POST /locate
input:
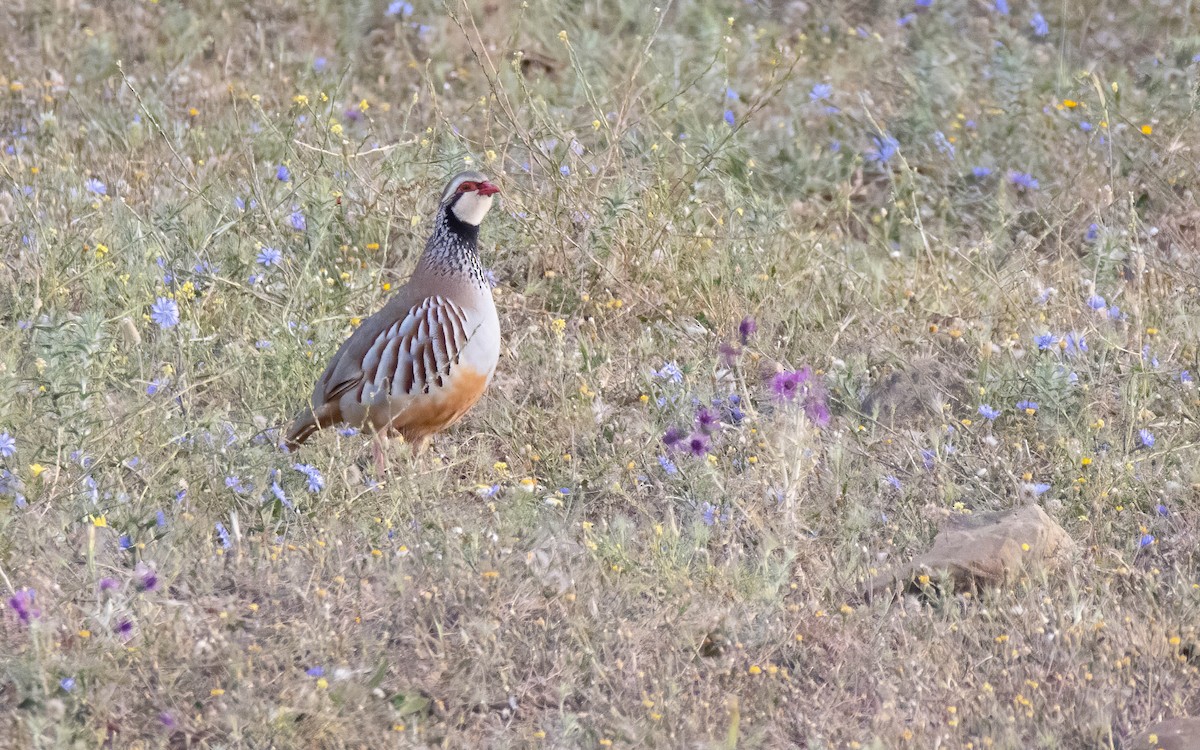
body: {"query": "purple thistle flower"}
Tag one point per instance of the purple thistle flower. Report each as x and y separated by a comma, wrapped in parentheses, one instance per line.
(146, 579)
(786, 385)
(108, 584)
(22, 603)
(747, 328)
(697, 444)
(816, 410)
(124, 628)
(707, 421)
(672, 437)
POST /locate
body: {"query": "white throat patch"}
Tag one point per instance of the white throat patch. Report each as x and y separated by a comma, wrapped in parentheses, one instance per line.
(471, 207)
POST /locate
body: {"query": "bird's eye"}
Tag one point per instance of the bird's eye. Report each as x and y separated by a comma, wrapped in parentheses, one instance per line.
(467, 187)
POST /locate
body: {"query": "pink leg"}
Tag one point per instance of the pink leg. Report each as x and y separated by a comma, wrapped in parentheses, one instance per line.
(379, 451)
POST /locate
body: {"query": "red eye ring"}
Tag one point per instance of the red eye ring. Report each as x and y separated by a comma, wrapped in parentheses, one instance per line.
(467, 187)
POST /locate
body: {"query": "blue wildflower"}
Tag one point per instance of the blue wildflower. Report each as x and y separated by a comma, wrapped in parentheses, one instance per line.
(1040, 488)
(1093, 231)
(320, 64)
(1001, 7)
(1161, 510)
(125, 542)
(1085, 126)
(8, 445)
(160, 518)
(669, 371)
(988, 413)
(893, 481)
(1023, 180)
(927, 457)
(1076, 344)
(282, 173)
(668, 465)
(96, 186)
(1045, 341)
(67, 684)
(980, 172)
(564, 170)
(223, 533)
(297, 220)
(165, 312)
(1147, 438)
(885, 148)
(820, 92)
(1027, 406)
(729, 118)
(708, 513)
(1185, 377)
(1145, 541)
(317, 671)
(943, 144)
(269, 256)
(731, 94)
(316, 482)
(1096, 302)
(1039, 25)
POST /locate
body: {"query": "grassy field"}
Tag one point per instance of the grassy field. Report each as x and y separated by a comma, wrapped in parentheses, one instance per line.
(980, 216)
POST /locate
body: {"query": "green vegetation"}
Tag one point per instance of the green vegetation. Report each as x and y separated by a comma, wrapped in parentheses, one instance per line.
(982, 219)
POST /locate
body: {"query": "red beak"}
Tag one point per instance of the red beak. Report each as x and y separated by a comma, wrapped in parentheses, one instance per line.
(487, 188)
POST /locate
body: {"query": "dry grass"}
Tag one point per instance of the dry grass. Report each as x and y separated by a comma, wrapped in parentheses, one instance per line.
(552, 575)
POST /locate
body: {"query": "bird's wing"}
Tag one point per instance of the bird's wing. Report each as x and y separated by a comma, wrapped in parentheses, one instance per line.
(404, 351)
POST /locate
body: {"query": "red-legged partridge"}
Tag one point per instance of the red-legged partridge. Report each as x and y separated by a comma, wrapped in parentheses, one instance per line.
(419, 364)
